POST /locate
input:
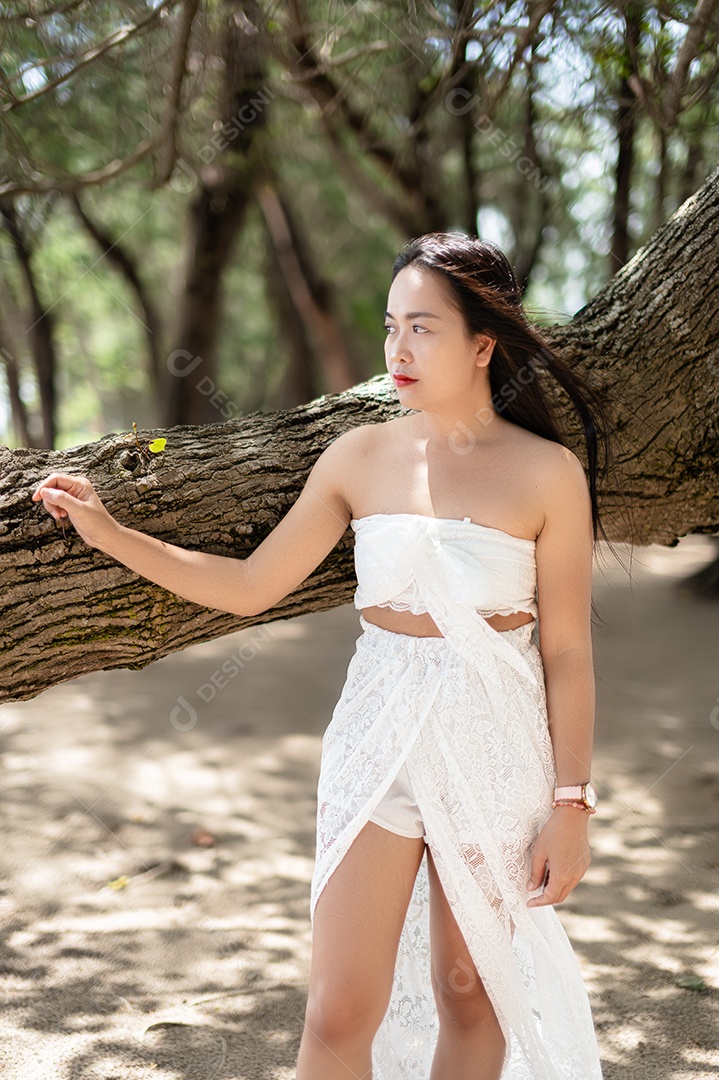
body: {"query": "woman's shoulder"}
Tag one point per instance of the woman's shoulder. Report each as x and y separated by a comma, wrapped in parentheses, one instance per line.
(545, 472)
(547, 454)
(366, 436)
(558, 476)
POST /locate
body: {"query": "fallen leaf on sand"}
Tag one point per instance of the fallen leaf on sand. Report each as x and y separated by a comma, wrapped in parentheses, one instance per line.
(118, 883)
(691, 982)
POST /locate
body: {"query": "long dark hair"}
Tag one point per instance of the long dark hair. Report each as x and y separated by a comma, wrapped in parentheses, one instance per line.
(485, 290)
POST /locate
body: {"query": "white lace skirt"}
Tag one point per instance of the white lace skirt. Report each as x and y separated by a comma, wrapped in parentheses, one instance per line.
(484, 790)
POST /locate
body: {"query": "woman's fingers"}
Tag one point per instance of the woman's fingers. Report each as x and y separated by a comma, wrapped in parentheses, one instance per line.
(77, 486)
(60, 493)
(51, 494)
(56, 501)
(53, 509)
(555, 891)
(538, 868)
(74, 497)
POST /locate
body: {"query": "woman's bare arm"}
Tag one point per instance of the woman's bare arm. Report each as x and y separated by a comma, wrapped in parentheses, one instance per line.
(564, 586)
(297, 545)
(561, 854)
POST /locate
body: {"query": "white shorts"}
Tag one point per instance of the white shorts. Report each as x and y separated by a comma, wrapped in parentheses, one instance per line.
(397, 810)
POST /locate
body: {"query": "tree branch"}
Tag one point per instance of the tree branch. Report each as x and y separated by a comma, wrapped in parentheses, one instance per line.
(49, 11)
(69, 183)
(120, 37)
(407, 220)
(121, 260)
(331, 97)
(649, 343)
(170, 119)
(309, 294)
(536, 12)
(703, 14)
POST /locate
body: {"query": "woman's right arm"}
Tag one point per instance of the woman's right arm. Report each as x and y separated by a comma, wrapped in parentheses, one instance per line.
(307, 533)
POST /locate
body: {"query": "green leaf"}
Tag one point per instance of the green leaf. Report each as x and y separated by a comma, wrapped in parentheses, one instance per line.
(691, 982)
(157, 445)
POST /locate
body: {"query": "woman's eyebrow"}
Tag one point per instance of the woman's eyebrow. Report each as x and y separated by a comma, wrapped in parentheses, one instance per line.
(414, 315)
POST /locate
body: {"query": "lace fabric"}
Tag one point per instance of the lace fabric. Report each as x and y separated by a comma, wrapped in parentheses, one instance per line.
(410, 600)
(466, 713)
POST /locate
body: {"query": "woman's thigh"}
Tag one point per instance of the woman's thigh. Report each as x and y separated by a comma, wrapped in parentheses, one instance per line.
(459, 991)
(357, 924)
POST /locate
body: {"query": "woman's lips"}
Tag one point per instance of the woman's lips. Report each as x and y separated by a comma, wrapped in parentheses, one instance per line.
(401, 380)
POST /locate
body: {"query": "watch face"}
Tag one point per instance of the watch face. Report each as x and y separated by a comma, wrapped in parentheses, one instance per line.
(590, 795)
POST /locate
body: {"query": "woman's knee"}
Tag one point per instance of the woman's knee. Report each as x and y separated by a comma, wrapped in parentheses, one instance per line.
(462, 1000)
(337, 1014)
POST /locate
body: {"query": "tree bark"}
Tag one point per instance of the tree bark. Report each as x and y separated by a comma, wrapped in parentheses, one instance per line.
(649, 342)
(66, 609)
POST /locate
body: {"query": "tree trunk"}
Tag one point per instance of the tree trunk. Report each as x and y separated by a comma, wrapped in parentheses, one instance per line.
(625, 128)
(661, 183)
(225, 185)
(694, 158)
(40, 330)
(649, 342)
(311, 294)
(18, 411)
(66, 609)
(300, 380)
(531, 214)
(118, 257)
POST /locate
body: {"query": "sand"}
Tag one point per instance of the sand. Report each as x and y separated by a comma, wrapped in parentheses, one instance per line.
(159, 841)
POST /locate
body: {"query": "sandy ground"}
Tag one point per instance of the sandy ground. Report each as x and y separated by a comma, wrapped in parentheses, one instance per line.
(193, 963)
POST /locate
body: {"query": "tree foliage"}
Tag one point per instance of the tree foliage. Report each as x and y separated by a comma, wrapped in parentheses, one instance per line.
(232, 180)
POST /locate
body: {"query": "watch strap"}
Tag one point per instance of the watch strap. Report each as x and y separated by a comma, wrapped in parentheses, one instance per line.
(575, 791)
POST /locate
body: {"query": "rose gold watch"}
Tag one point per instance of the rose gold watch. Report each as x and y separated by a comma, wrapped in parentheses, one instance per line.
(585, 794)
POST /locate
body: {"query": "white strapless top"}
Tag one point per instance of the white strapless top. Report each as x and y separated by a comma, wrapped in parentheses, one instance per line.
(474, 565)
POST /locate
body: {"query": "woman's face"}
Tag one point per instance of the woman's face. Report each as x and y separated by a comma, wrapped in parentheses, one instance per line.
(427, 341)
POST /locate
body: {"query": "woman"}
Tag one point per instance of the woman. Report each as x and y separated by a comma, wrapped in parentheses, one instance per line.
(459, 735)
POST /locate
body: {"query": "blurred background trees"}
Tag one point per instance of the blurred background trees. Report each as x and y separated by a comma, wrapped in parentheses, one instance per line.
(200, 201)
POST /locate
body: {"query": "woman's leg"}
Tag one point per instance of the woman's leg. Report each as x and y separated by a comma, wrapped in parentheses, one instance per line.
(470, 1045)
(356, 930)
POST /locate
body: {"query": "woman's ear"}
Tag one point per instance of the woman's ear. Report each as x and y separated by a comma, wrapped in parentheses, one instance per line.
(484, 345)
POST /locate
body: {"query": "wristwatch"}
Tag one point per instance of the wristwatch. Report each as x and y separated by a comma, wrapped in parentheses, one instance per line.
(584, 794)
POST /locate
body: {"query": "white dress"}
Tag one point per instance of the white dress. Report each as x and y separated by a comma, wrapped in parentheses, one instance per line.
(466, 713)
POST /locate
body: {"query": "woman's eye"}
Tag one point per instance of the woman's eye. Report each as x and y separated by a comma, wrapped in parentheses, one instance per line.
(415, 327)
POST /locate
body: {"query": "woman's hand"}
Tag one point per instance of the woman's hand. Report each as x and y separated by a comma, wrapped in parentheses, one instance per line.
(561, 847)
(217, 581)
(75, 498)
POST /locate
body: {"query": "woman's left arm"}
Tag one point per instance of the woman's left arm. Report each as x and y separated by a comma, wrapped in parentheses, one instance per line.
(561, 854)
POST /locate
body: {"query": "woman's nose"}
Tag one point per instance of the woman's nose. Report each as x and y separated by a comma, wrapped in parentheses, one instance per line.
(398, 347)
